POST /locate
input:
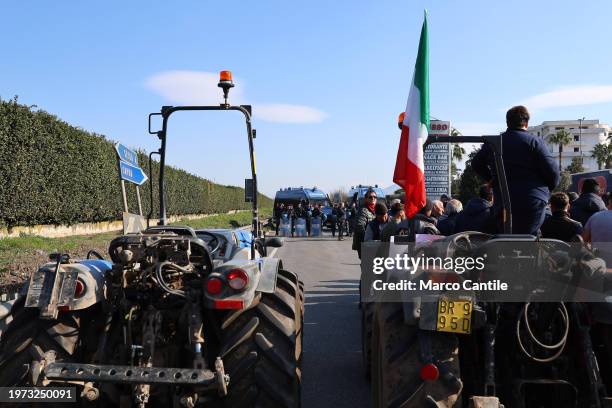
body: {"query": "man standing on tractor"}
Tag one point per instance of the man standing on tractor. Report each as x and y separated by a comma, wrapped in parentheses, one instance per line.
(531, 172)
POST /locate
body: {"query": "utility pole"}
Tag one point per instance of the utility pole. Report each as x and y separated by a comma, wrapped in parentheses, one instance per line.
(580, 140)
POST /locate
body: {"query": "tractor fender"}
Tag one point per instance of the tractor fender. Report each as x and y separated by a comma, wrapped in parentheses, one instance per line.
(269, 272)
(91, 273)
(95, 283)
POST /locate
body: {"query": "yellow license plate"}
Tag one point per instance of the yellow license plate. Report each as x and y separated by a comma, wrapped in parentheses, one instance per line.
(454, 316)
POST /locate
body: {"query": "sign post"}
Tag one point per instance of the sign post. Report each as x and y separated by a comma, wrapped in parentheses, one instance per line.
(130, 171)
(437, 160)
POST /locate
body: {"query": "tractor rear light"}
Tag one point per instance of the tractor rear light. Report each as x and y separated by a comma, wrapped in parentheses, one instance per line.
(214, 286)
(229, 304)
(79, 289)
(429, 372)
(237, 279)
(225, 76)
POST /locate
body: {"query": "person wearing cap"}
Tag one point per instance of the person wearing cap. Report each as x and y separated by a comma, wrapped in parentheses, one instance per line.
(396, 216)
(364, 217)
(375, 227)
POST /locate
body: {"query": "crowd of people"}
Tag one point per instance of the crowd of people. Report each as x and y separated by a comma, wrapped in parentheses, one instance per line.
(532, 174)
(568, 217)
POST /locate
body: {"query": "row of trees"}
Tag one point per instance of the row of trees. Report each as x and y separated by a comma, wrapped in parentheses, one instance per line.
(602, 152)
(57, 174)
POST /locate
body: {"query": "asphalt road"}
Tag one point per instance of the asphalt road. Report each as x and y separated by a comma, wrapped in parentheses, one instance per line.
(332, 373)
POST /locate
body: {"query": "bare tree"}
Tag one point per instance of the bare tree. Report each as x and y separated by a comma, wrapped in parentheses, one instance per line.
(338, 195)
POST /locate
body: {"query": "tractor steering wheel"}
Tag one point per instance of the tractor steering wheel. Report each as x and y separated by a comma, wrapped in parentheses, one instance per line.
(214, 244)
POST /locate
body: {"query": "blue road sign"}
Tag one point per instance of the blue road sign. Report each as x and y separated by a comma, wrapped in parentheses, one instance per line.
(133, 174)
(126, 155)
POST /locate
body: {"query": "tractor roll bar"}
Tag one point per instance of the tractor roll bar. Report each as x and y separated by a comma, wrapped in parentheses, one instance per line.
(166, 112)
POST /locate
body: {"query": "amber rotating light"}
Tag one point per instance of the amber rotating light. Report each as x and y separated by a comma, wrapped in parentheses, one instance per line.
(225, 82)
(400, 120)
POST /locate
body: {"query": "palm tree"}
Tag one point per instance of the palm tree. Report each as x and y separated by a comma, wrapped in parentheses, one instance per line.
(458, 150)
(602, 152)
(561, 138)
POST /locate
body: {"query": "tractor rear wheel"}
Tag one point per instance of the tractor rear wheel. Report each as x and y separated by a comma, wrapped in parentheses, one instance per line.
(26, 343)
(396, 364)
(367, 312)
(261, 349)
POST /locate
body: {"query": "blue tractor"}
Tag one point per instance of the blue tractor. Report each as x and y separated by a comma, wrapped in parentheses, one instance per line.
(177, 317)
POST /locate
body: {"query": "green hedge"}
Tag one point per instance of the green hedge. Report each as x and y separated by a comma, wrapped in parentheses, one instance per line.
(54, 173)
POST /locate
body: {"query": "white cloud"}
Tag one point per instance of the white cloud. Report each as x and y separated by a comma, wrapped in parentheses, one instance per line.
(200, 88)
(191, 87)
(283, 113)
(570, 96)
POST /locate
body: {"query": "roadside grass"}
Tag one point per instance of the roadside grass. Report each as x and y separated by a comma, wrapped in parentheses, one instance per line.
(20, 256)
(226, 220)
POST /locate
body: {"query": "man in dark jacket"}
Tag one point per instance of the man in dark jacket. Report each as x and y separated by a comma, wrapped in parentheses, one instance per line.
(453, 208)
(334, 219)
(278, 212)
(476, 215)
(364, 216)
(423, 222)
(588, 203)
(375, 227)
(531, 172)
(340, 219)
(559, 225)
(396, 216)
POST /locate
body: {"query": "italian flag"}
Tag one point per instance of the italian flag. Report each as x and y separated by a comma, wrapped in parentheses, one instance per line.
(409, 167)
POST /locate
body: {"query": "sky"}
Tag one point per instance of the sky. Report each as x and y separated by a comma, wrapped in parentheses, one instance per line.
(326, 80)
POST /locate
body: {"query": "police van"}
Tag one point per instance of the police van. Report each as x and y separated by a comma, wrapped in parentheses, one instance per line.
(295, 195)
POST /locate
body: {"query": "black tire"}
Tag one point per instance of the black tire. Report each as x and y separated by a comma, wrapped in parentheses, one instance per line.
(27, 339)
(289, 282)
(367, 312)
(396, 364)
(261, 348)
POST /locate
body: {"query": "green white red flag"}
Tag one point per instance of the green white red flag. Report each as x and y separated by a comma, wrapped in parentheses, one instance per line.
(409, 167)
